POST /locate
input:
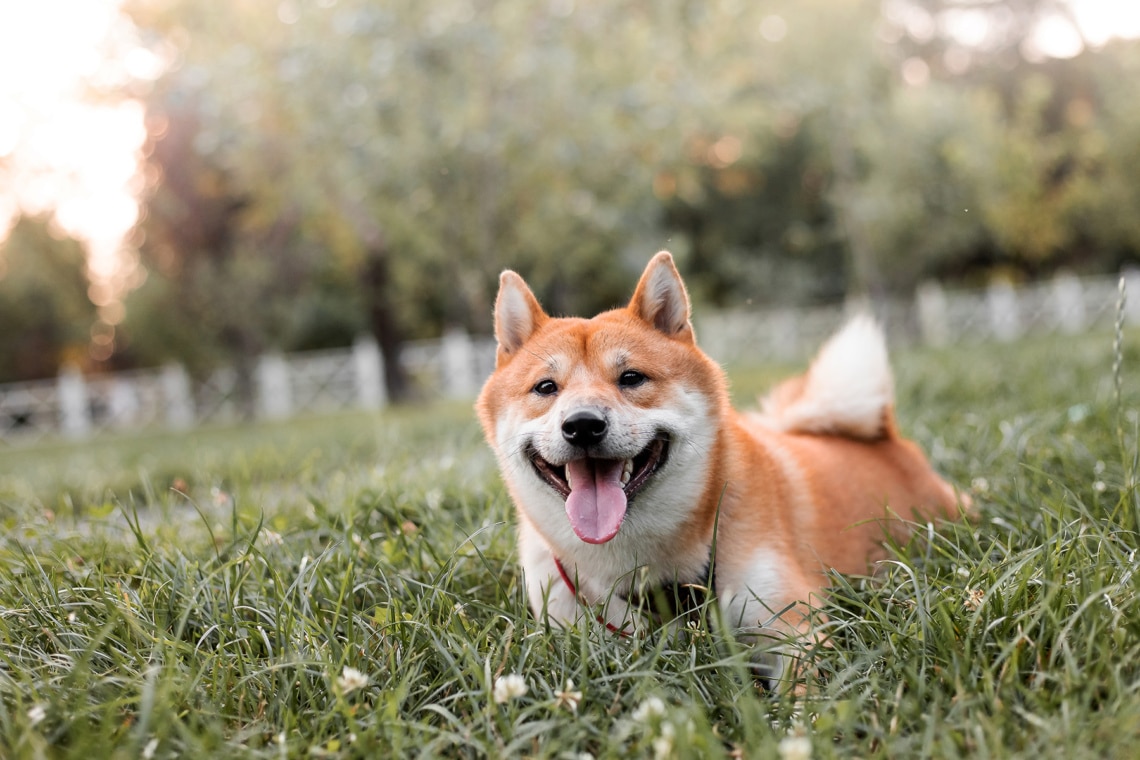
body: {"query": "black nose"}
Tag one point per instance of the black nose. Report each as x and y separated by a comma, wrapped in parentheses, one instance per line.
(585, 427)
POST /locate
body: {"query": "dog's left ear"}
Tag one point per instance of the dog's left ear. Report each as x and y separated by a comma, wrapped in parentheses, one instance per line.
(661, 299)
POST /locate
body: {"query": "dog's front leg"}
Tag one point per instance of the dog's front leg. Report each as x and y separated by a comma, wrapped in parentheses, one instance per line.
(780, 632)
(548, 595)
(560, 594)
(770, 609)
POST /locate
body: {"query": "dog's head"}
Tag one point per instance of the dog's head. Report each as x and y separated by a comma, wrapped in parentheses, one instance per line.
(604, 428)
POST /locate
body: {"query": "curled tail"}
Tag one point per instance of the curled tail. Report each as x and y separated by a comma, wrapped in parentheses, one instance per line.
(848, 389)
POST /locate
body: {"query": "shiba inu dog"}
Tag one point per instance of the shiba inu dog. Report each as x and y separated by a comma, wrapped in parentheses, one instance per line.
(628, 465)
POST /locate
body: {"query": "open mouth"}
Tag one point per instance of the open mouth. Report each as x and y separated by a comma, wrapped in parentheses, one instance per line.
(635, 473)
(598, 491)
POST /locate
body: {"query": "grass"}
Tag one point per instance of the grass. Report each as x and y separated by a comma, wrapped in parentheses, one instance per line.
(209, 595)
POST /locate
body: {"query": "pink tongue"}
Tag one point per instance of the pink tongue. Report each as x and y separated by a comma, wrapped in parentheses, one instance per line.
(596, 504)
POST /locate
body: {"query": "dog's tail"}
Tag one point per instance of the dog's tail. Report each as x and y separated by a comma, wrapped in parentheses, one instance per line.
(848, 390)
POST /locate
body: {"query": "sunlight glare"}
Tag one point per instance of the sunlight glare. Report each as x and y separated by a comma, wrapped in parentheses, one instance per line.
(67, 151)
(11, 125)
(1102, 20)
(1055, 37)
(968, 26)
(1097, 22)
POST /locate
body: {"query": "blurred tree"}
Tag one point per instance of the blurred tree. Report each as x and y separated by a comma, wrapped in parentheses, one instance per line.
(979, 40)
(1028, 160)
(458, 138)
(422, 148)
(921, 213)
(221, 282)
(343, 165)
(1105, 192)
(792, 228)
(44, 306)
(1014, 166)
(760, 230)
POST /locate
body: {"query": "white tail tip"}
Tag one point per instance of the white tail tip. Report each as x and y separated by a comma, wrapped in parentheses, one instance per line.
(848, 390)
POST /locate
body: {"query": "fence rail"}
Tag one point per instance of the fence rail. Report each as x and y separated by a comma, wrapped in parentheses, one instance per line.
(935, 316)
(454, 366)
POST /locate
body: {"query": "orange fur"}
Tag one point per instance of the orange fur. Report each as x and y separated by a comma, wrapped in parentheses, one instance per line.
(788, 503)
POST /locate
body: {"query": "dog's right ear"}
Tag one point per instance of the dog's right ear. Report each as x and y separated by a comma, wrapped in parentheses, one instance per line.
(517, 313)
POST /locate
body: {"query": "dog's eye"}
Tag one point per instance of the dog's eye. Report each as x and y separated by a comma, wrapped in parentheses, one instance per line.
(631, 378)
(546, 388)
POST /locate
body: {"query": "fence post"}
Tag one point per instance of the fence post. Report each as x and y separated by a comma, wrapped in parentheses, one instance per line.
(1069, 303)
(711, 331)
(1131, 275)
(784, 332)
(74, 410)
(177, 397)
(368, 367)
(457, 357)
(123, 403)
(1004, 317)
(274, 394)
(933, 322)
(855, 305)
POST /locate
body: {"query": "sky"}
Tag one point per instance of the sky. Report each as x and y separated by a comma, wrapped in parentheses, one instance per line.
(68, 150)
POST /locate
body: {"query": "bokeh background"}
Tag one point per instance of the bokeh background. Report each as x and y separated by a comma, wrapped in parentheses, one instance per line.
(204, 182)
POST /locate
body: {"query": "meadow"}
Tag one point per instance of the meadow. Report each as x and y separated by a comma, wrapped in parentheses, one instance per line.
(347, 587)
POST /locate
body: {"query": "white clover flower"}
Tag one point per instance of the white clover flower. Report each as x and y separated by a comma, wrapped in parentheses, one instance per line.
(37, 714)
(509, 687)
(794, 748)
(650, 708)
(350, 680)
(663, 744)
(149, 749)
(271, 538)
(568, 697)
(1100, 486)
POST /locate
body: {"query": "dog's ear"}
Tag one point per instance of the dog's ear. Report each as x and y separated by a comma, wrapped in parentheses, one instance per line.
(517, 313)
(661, 299)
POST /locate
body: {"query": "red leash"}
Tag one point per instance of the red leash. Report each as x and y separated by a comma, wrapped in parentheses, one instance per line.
(574, 590)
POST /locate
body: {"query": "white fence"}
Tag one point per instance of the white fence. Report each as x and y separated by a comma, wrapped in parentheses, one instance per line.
(935, 316)
(76, 407)
(455, 366)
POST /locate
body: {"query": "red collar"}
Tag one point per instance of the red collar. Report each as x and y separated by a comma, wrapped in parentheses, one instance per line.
(685, 597)
(574, 590)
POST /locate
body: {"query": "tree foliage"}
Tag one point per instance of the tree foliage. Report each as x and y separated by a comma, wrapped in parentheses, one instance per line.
(341, 165)
(44, 307)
